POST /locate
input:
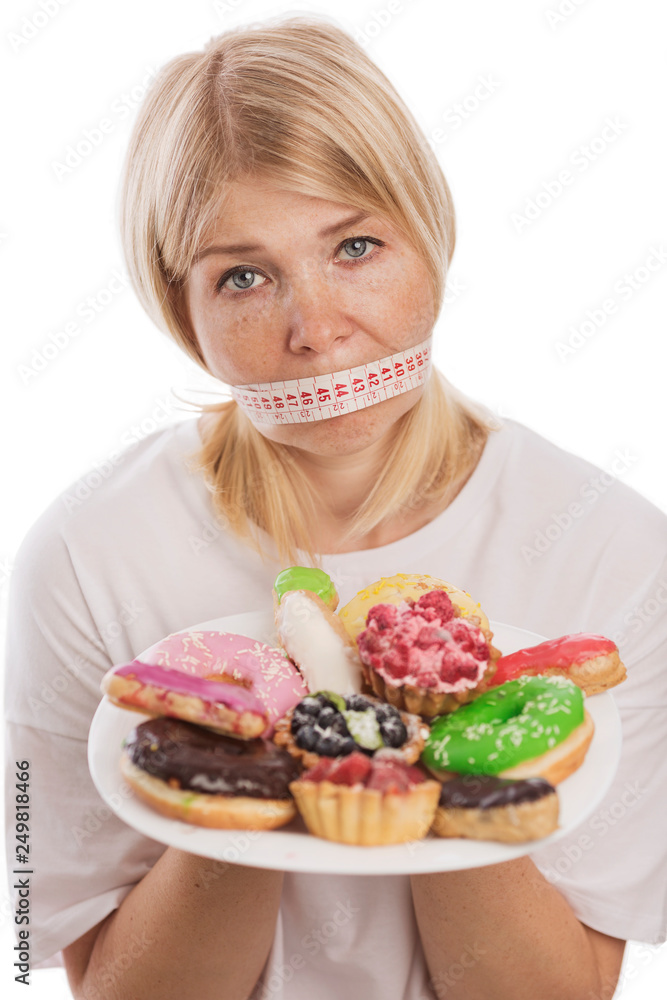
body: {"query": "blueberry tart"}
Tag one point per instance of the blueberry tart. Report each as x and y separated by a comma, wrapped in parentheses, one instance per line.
(326, 724)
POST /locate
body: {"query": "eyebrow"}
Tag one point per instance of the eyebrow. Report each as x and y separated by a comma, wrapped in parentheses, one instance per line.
(237, 249)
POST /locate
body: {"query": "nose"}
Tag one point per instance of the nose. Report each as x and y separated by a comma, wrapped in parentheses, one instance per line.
(315, 319)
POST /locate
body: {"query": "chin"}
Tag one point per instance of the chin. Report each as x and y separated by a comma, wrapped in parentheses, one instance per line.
(348, 434)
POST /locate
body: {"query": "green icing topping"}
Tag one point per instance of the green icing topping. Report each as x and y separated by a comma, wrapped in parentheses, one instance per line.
(305, 578)
(337, 699)
(508, 725)
(364, 728)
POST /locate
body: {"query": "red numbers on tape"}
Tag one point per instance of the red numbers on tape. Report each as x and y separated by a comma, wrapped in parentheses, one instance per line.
(323, 396)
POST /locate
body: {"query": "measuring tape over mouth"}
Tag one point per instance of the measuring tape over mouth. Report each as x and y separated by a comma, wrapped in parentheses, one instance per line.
(304, 400)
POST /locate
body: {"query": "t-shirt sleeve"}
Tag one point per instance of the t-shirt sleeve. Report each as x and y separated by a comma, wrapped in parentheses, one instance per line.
(612, 869)
(84, 860)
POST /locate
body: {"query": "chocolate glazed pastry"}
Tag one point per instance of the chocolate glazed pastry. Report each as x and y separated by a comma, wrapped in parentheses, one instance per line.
(188, 772)
(485, 807)
(204, 761)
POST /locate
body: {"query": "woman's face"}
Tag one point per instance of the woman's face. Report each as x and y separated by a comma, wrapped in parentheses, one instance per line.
(290, 286)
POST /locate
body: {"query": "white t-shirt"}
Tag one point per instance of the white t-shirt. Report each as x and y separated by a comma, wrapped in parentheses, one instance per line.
(540, 537)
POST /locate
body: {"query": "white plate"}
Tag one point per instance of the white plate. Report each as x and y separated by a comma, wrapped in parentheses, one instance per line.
(292, 848)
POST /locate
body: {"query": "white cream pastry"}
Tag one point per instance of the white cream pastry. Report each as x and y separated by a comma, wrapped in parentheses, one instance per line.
(318, 643)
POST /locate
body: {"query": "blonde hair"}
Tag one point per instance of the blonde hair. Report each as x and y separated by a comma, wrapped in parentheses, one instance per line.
(298, 99)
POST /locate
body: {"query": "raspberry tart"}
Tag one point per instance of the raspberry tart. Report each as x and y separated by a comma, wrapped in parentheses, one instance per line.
(366, 801)
(423, 656)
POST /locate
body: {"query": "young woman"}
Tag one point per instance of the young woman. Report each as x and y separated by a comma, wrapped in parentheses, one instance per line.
(283, 217)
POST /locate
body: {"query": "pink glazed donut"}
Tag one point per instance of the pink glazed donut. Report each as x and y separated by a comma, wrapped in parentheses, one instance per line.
(226, 682)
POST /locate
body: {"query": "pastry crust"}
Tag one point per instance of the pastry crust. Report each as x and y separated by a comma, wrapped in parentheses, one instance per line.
(229, 683)
(511, 824)
(422, 701)
(417, 729)
(130, 693)
(557, 764)
(367, 817)
(224, 812)
(595, 675)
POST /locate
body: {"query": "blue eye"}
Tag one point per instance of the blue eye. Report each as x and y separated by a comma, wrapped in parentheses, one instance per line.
(241, 278)
(355, 249)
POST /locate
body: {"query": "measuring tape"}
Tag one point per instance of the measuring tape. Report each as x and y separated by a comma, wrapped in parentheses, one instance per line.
(303, 400)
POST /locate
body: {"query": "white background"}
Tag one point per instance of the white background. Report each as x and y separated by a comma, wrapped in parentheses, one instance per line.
(556, 71)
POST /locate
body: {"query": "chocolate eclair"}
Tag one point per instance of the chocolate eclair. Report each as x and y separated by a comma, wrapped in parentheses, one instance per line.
(485, 807)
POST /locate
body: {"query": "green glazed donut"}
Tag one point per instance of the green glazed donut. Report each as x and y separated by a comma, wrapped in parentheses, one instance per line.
(305, 578)
(515, 722)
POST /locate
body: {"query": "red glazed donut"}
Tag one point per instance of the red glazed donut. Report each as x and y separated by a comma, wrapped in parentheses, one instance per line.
(590, 660)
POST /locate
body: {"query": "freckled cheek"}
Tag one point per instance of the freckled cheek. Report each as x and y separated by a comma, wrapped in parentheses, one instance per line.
(402, 301)
(416, 304)
(413, 319)
(232, 345)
